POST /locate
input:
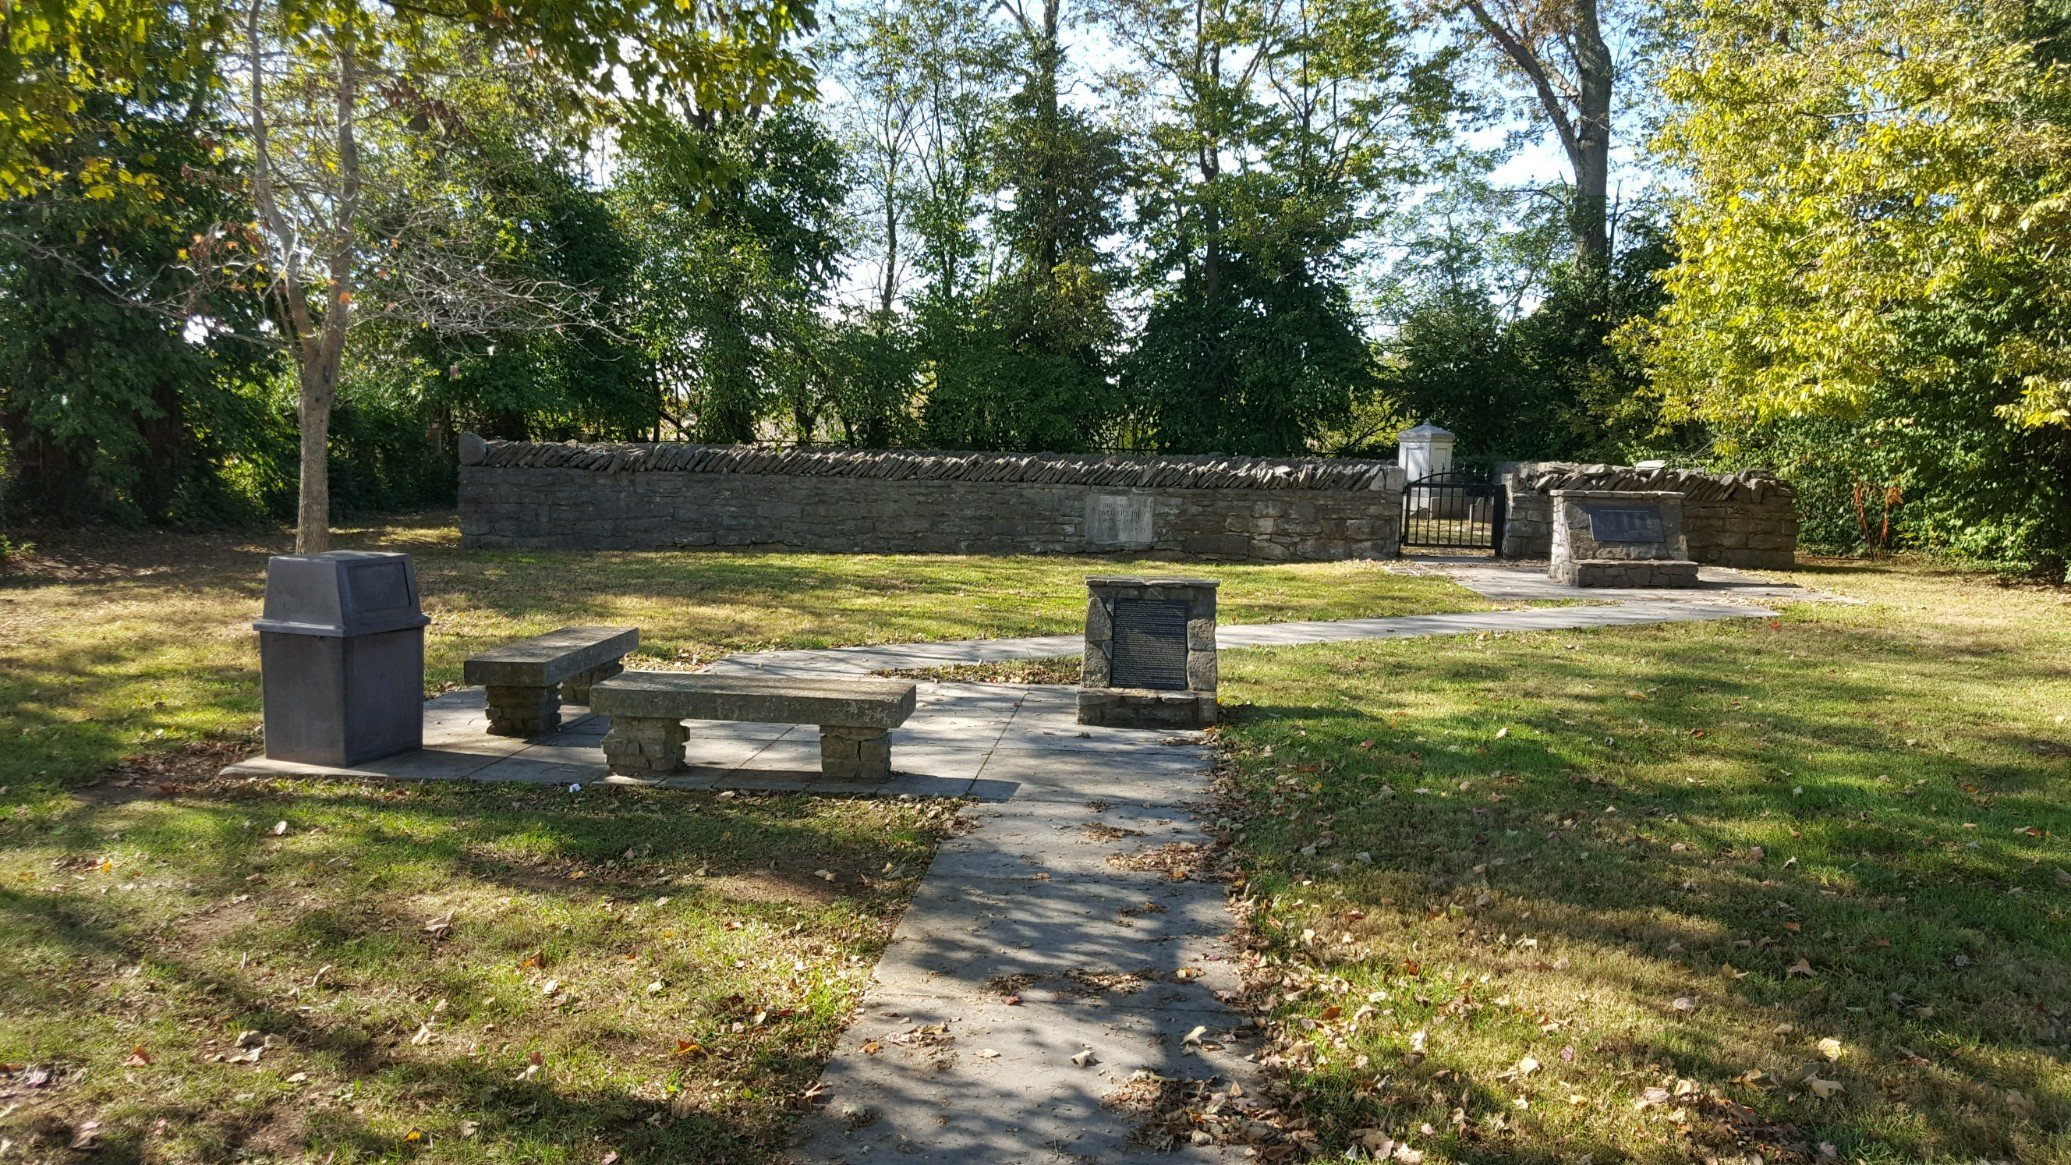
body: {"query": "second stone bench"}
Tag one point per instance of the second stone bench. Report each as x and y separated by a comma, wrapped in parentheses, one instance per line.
(648, 708)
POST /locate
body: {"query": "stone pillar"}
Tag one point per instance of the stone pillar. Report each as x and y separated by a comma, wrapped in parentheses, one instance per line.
(645, 748)
(1619, 538)
(854, 753)
(576, 688)
(523, 711)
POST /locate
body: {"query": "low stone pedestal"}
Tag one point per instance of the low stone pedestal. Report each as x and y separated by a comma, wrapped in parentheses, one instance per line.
(525, 711)
(1616, 538)
(855, 754)
(1604, 572)
(641, 747)
(576, 689)
(1150, 653)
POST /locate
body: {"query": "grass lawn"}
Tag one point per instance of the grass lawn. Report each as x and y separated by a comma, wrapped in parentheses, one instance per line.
(1683, 893)
(195, 970)
(116, 643)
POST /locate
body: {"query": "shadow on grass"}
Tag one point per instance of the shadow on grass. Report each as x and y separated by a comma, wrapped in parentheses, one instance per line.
(1678, 827)
(333, 917)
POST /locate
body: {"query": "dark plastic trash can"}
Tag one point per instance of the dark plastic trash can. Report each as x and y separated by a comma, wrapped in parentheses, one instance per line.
(341, 657)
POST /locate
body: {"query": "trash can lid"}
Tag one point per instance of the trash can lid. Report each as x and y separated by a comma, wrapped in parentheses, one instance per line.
(340, 593)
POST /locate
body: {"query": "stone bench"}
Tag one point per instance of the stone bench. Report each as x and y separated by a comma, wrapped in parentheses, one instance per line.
(527, 680)
(648, 708)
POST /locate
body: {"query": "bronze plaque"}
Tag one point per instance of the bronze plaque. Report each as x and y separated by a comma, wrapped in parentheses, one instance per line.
(1626, 524)
(1149, 649)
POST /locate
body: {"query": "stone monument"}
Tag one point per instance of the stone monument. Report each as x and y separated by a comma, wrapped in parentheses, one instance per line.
(1611, 538)
(1150, 653)
(341, 657)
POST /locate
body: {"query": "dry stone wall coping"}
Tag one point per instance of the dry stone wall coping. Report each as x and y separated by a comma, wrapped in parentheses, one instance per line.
(1149, 472)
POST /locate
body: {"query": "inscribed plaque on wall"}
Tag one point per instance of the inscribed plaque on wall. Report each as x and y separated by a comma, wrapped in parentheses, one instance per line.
(1150, 644)
(1626, 524)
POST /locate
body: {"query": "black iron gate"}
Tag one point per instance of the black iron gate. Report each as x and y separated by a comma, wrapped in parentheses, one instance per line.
(1455, 510)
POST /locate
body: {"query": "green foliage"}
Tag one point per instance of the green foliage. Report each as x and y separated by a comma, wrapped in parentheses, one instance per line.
(1966, 484)
(1871, 291)
(126, 382)
(1859, 167)
(728, 278)
(1278, 127)
(1261, 367)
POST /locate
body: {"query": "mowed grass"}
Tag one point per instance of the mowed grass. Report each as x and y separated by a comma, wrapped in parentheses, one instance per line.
(452, 974)
(112, 643)
(210, 972)
(1796, 889)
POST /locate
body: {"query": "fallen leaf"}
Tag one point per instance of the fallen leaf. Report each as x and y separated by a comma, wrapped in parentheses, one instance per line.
(280, 828)
(83, 1137)
(1085, 1058)
(1801, 967)
(1194, 1037)
(138, 1057)
(1824, 1089)
(1830, 1048)
(1684, 1004)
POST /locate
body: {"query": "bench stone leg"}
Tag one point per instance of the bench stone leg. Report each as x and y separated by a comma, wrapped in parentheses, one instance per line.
(523, 711)
(855, 754)
(576, 689)
(638, 747)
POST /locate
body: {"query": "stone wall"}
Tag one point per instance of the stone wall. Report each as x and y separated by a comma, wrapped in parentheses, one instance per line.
(516, 495)
(1747, 519)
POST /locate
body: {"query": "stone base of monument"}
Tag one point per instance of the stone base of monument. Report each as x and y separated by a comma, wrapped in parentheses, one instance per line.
(1150, 653)
(1619, 538)
(1145, 708)
(1623, 572)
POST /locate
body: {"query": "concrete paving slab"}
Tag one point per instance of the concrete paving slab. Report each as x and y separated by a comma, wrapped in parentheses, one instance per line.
(965, 1081)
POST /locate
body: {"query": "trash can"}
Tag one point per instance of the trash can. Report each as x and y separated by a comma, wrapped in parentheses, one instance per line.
(341, 657)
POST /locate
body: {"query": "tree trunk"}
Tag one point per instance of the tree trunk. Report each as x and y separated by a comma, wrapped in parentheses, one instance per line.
(1589, 218)
(891, 250)
(313, 412)
(1581, 118)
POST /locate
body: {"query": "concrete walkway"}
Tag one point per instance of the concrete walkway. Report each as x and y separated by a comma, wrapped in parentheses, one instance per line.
(1050, 970)
(1061, 958)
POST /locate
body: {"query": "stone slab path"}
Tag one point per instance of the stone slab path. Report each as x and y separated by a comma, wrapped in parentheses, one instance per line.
(1050, 954)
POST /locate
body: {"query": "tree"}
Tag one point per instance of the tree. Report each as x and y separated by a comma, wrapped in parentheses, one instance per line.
(735, 225)
(326, 96)
(1871, 255)
(1028, 367)
(1559, 48)
(124, 380)
(1282, 130)
(1855, 167)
